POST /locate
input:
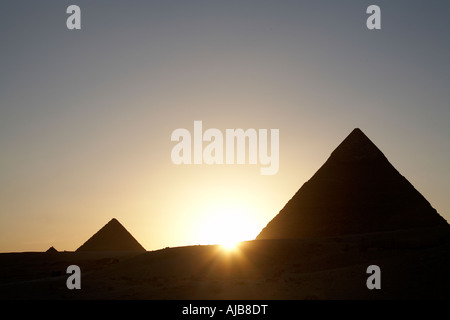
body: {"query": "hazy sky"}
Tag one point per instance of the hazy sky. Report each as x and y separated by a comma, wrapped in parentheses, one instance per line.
(86, 115)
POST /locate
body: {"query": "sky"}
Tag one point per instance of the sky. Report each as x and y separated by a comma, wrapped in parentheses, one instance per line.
(86, 116)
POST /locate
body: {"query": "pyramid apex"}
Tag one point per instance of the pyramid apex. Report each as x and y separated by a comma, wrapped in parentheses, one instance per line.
(356, 147)
(357, 131)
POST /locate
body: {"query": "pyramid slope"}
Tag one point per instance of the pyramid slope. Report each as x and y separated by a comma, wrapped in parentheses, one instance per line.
(112, 237)
(357, 190)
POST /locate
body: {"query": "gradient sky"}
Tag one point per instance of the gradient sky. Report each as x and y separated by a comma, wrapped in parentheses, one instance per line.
(86, 116)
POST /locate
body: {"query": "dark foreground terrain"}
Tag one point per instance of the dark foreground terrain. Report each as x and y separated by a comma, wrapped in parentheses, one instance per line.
(414, 264)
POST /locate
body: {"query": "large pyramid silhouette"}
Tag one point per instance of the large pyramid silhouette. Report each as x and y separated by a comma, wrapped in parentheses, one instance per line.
(112, 237)
(356, 191)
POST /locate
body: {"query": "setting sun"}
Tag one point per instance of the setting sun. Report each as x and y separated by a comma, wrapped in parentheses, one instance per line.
(228, 225)
(230, 245)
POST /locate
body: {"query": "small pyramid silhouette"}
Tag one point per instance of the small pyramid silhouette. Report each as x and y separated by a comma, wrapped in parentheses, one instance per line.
(51, 250)
(357, 190)
(112, 237)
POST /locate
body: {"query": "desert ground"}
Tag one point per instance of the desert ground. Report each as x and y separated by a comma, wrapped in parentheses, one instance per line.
(414, 265)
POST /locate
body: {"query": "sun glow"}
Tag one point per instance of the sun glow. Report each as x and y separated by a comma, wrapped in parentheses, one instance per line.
(227, 226)
(230, 245)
